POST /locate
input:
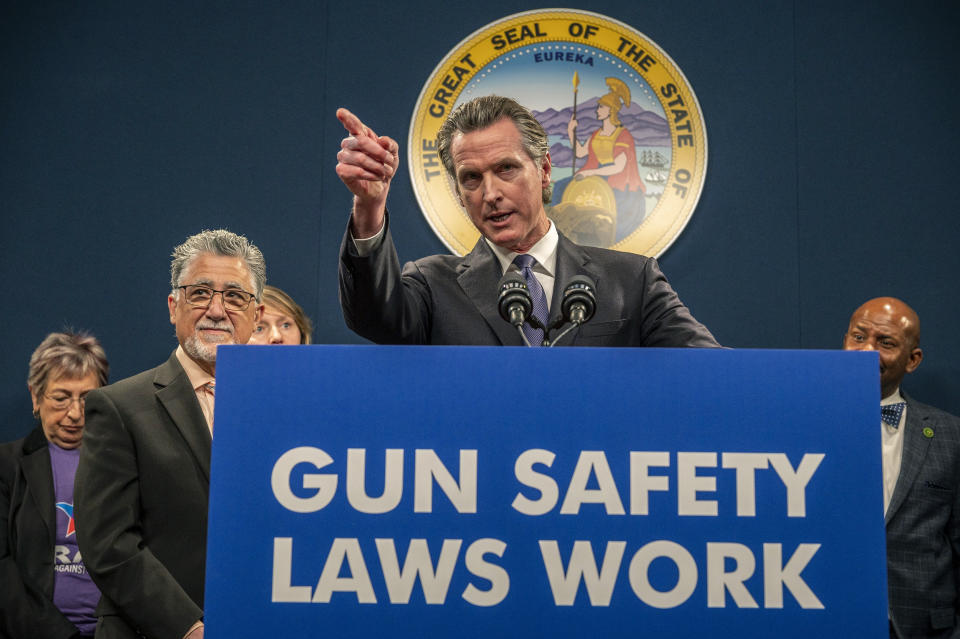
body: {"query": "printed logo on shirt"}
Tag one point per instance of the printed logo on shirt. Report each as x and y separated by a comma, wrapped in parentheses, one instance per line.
(627, 139)
(68, 559)
(68, 509)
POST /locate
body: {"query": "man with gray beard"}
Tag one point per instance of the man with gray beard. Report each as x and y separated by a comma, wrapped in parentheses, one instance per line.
(143, 482)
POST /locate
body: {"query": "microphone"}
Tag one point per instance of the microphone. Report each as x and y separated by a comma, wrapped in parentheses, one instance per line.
(515, 303)
(579, 301)
(578, 304)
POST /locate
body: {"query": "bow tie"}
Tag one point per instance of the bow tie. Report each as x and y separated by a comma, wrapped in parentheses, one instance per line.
(891, 413)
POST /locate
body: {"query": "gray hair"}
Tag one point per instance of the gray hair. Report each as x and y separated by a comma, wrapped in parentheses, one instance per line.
(219, 242)
(72, 355)
(484, 111)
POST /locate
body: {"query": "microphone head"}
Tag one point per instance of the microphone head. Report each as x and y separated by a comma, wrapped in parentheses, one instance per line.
(579, 295)
(514, 297)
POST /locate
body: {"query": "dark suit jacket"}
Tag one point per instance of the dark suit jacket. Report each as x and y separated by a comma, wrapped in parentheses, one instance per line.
(141, 496)
(445, 299)
(27, 537)
(923, 527)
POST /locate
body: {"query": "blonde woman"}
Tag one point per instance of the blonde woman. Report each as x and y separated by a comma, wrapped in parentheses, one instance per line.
(283, 321)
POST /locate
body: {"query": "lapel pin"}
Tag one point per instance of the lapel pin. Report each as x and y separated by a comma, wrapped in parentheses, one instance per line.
(928, 432)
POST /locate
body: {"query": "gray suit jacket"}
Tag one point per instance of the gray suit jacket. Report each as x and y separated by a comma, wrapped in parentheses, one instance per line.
(141, 497)
(445, 299)
(27, 539)
(923, 527)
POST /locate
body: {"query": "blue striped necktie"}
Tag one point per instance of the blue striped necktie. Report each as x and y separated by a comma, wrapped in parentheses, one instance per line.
(525, 263)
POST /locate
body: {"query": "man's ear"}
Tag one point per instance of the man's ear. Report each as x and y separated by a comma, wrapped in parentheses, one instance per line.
(545, 168)
(916, 356)
(172, 307)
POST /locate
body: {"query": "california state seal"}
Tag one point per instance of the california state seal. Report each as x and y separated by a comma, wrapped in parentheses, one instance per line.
(627, 138)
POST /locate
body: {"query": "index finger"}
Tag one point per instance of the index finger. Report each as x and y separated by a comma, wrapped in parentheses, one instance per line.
(352, 123)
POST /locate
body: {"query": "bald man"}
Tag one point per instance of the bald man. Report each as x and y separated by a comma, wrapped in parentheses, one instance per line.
(921, 479)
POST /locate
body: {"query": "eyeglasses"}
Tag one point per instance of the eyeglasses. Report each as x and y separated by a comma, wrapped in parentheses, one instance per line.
(64, 402)
(199, 296)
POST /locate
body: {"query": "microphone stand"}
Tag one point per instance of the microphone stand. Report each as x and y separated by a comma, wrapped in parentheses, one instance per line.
(535, 323)
(523, 335)
(572, 326)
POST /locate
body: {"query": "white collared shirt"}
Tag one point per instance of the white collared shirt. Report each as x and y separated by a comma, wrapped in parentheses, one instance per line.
(892, 447)
(544, 251)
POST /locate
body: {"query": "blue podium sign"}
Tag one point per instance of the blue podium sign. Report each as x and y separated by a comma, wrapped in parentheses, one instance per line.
(362, 491)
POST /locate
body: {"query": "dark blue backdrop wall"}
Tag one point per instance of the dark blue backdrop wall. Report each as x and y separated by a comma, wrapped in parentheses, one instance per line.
(125, 127)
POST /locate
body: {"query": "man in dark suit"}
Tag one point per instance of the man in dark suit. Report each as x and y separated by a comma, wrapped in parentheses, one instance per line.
(142, 486)
(921, 479)
(497, 154)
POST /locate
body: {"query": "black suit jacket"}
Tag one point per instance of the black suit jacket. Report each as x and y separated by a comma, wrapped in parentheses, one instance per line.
(141, 497)
(27, 538)
(445, 299)
(923, 527)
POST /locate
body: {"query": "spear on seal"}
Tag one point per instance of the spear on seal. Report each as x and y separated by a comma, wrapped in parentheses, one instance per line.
(573, 143)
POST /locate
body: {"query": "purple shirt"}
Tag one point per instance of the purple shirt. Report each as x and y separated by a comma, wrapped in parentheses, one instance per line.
(74, 593)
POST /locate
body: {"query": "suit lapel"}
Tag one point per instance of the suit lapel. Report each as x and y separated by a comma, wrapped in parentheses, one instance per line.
(915, 447)
(39, 476)
(571, 260)
(180, 401)
(480, 268)
(478, 274)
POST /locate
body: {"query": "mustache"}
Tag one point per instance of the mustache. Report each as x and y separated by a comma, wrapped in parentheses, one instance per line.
(217, 326)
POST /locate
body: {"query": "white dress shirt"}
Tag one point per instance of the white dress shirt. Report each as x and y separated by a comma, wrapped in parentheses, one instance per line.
(892, 447)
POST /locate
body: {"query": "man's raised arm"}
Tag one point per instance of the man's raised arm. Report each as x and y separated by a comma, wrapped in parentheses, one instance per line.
(366, 163)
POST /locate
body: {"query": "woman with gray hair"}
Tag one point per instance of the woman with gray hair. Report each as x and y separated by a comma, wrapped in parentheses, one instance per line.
(47, 592)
